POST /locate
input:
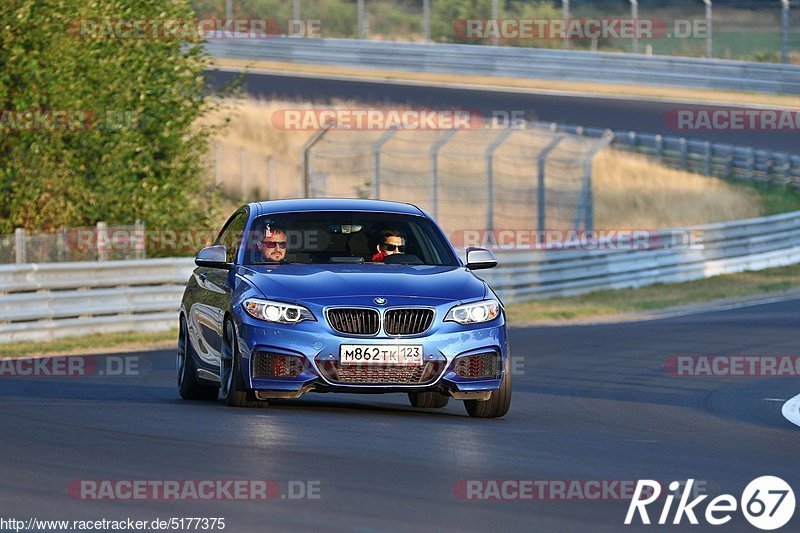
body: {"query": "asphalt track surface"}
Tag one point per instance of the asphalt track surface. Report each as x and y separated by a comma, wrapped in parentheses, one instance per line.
(592, 111)
(590, 403)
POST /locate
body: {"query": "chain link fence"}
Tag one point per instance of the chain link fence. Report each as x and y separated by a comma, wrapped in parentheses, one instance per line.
(486, 179)
(94, 243)
(756, 30)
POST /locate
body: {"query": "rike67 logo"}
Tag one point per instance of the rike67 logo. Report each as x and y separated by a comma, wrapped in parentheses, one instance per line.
(767, 503)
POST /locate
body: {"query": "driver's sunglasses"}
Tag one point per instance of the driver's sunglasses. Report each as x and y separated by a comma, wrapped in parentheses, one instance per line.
(273, 244)
(391, 247)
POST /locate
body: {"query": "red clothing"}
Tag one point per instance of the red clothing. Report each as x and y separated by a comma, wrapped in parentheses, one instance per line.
(379, 257)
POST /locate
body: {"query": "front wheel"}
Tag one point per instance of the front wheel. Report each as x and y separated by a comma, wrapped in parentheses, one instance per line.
(499, 402)
(233, 388)
(428, 400)
(188, 385)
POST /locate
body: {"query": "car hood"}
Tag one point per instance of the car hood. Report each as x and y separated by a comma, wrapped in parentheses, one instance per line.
(295, 282)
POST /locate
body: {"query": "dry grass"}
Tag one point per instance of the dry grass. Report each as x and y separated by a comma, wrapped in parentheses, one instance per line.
(630, 191)
(650, 92)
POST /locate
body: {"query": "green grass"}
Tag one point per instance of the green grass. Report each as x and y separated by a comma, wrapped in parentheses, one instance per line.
(90, 344)
(776, 199)
(659, 296)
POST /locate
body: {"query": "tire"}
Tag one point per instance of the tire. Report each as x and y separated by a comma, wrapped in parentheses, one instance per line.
(188, 386)
(233, 387)
(499, 402)
(428, 400)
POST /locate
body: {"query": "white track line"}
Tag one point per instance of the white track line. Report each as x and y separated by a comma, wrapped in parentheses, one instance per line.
(791, 410)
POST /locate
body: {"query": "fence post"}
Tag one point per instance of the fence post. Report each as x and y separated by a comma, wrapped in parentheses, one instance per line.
(426, 20)
(565, 15)
(707, 159)
(709, 28)
(376, 153)
(229, 9)
(102, 241)
(495, 16)
(243, 173)
(540, 194)
(784, 31)
(61, 243)
(434, 155)
(490, 176)
(360, 14)
(270, 177)
(141, 239)
(218, 164)
(684, 154)
(306, 160)
(20, 246)
(635, 16)
(296, 9)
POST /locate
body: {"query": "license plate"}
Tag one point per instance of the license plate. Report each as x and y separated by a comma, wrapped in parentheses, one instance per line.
(380, 354)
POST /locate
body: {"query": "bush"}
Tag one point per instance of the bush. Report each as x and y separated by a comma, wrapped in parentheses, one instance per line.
(139, 155)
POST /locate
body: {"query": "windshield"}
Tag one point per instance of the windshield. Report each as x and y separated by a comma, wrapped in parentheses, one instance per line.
(347, 237)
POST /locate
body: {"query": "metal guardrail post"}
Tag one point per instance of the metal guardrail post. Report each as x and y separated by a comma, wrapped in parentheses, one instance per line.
(784, 31)
(540, 188)
(751, 163)
(307, 161)
(434, 155)
(683, 160)
(707, 159)
(659, 148)
(490, 176)
(20, 246)
(376, 153)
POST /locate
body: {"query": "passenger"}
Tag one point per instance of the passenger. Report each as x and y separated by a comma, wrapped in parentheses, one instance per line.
(392, 242)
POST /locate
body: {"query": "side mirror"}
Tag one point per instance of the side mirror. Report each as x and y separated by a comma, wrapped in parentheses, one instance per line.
(480, 258)
(213, 257)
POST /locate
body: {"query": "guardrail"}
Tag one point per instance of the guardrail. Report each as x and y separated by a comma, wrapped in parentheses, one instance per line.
(726, 248)
(703, 157)
(516, 62)
(40, 302)
(46, 301)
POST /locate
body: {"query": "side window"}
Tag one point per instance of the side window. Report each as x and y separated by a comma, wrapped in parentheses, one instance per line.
(232, 234)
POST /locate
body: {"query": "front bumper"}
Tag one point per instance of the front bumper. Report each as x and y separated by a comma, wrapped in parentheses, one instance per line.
(318, 345)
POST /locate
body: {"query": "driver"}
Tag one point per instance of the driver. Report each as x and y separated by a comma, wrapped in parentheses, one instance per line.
(273, 244)
(392, 242)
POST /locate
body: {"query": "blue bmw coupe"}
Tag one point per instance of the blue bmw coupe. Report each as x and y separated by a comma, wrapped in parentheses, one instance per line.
(334, 295)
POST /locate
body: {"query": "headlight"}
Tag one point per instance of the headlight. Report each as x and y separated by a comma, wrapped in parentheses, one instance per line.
(279, 312)
(474, 313)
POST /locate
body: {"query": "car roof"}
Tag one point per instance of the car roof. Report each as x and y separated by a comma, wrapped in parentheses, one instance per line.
(334, 204)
